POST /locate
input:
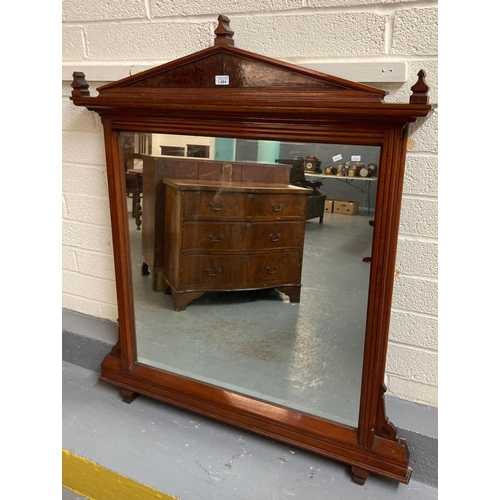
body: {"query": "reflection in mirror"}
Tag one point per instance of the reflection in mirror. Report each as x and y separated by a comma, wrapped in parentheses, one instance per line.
(298, 350)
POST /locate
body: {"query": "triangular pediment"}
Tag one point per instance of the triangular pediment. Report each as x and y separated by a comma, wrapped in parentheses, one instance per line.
(244, 70)
(224, 77)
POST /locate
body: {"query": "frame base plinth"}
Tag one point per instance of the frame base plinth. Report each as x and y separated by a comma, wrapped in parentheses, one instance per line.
(387, 457)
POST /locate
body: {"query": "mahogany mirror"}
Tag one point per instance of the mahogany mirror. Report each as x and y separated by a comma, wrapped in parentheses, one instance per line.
(239, 297)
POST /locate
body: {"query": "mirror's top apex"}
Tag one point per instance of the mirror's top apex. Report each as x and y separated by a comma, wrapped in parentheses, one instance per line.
(223, 33)
(242, 70)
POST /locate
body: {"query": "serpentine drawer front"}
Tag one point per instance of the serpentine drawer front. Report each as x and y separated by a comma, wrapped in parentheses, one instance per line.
(239, 272)
(232, 236)
(239, 205)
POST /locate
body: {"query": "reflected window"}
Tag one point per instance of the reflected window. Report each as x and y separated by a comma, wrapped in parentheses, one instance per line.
(172, 151)
(198, 151)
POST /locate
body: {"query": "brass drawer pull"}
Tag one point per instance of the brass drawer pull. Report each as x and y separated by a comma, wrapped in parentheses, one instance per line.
(217, 272)
(270, 271)
(279, 209)
(275, 239)
(211, 238)
(212, 206)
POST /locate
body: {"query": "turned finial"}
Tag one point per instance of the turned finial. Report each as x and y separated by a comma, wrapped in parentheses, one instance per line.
(223, 33)
(420, 89)
(80, 85)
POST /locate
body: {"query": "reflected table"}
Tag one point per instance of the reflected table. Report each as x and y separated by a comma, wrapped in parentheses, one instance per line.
(133, 182)
(360, 183)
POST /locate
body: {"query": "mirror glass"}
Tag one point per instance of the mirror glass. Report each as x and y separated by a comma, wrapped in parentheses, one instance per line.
(306, 355)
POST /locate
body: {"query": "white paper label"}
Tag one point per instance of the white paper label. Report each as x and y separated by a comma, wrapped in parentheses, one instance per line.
(337, 157)
(221, 80)
(356, 158)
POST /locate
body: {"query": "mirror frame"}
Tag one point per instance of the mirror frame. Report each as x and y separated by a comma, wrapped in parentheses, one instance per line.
(298, 105)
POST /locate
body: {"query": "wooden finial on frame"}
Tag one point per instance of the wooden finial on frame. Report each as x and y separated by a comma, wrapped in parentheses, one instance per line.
(223, 33)
(420, 89)
(80, 85)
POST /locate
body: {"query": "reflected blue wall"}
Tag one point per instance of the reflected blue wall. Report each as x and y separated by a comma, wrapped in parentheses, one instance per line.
(268, 151)
(224, 149)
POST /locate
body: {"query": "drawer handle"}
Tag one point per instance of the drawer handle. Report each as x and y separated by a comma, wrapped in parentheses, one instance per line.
(279, 209)
(272, 271)
(217, 272)
(211, 238)
(212, 206)
(275, 239)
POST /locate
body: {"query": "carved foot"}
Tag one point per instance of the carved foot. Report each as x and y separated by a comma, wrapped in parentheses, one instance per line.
(181, 300)
(128, 396)
(138, 220)
(145, 269)
(359, 475)
(158, 281)
(293, 292)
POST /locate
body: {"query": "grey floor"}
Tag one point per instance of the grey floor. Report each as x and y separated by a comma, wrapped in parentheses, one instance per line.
(307, 356)
(71, 495)
(193, 458)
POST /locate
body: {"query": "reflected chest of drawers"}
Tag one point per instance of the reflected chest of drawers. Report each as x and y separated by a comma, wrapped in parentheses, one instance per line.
(156, 168)
(222, 236)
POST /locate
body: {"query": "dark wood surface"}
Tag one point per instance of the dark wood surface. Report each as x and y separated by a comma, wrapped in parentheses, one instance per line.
(321, 108)
(232, 236)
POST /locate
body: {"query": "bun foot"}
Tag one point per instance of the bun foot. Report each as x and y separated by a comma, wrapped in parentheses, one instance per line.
(128, 396)
(359, 475)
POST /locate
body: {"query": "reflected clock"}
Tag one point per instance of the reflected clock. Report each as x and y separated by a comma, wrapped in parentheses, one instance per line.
(311, 164)
(364, 171)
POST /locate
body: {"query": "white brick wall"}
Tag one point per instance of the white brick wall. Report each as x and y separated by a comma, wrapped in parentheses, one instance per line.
(155, 31)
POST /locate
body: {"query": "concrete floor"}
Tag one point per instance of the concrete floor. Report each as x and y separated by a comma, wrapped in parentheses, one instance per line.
(71, 495)
(307, 356)
(194, 458)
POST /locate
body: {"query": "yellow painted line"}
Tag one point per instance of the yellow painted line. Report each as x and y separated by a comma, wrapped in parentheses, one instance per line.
(95, 482)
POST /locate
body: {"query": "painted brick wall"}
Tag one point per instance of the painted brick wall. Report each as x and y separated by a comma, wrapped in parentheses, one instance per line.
(299, 31)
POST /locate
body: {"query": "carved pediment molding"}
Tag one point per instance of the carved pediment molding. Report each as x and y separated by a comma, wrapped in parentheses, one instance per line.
(242, 69)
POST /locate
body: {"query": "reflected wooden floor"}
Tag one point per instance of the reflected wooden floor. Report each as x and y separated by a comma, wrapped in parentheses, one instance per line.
(307, 356)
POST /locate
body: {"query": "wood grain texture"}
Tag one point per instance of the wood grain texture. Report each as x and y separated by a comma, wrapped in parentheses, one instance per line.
(228, 236)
